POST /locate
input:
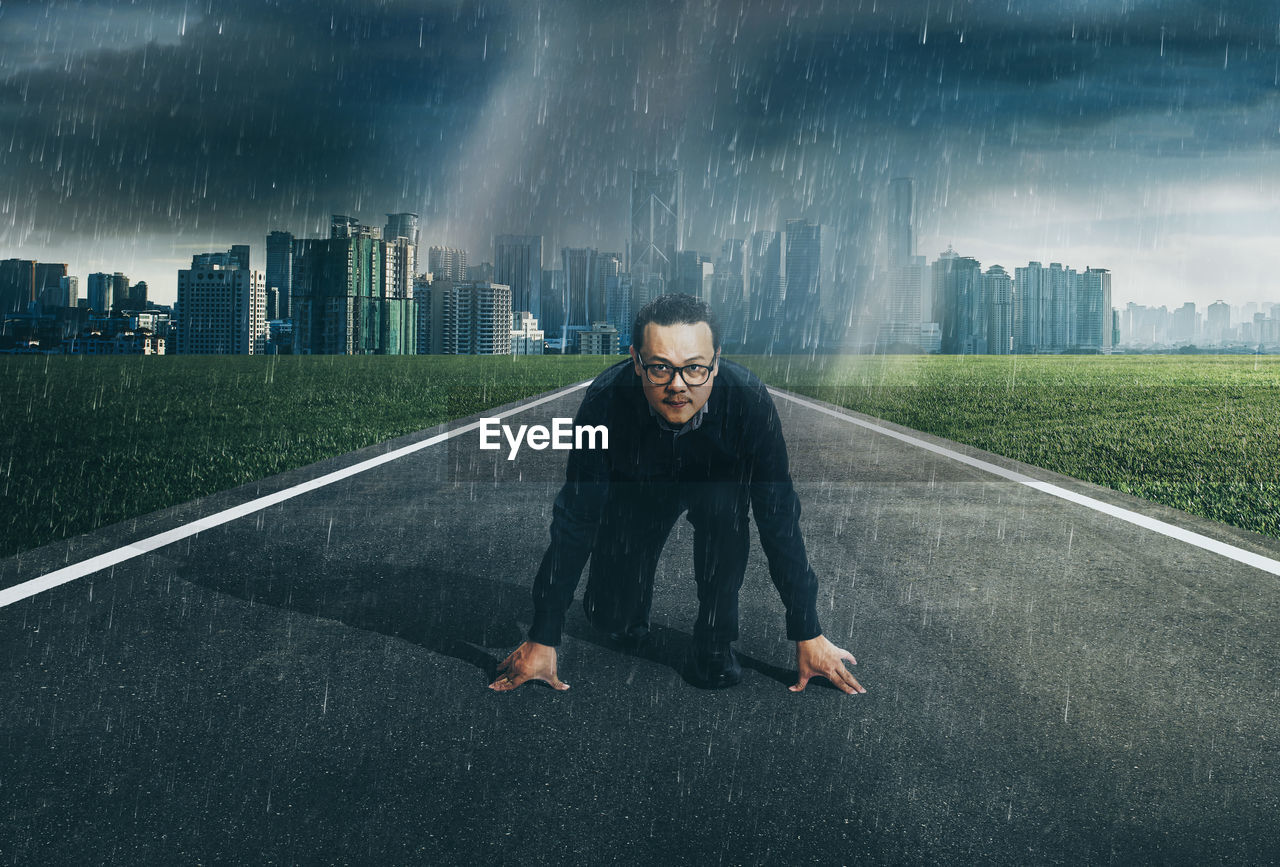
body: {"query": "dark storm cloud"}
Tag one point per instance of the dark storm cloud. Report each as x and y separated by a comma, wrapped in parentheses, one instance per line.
(966, 68)
(256, 106)
(260, 114)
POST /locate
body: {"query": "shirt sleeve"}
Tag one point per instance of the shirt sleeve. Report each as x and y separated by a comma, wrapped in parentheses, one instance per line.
(574, 521)
(777, 509)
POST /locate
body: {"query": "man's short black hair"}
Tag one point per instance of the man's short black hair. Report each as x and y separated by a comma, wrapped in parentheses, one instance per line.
(671, 310)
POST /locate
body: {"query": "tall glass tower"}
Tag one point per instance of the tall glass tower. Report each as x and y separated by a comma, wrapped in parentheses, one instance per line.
(517, 262)
(656, 226)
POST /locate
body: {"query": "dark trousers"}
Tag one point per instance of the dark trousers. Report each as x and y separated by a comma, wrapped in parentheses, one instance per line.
(635, 524)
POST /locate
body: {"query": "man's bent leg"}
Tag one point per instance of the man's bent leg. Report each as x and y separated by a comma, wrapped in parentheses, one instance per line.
(720, 515)
(633, 529)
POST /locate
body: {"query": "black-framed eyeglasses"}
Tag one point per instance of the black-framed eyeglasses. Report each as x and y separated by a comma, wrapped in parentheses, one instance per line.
(692, 374)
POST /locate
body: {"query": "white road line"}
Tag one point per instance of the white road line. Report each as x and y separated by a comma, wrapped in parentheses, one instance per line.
(1266, 564)
(18, 592)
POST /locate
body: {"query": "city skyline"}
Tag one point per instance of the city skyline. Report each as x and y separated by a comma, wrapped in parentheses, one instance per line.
(1137, 136)
(773, 279)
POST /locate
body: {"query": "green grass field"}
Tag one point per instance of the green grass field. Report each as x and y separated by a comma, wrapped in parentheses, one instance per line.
(1199, 433)
(87, 442)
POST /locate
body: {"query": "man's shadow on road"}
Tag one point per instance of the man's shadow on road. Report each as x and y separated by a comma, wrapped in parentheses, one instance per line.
(453, 612)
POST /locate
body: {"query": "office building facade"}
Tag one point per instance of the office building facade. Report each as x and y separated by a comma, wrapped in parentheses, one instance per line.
(526, 337)
(447, 263)
(352, 294)
(221, 307)
(517, 262)
(801, 318)
(279, 272)
(466, 318)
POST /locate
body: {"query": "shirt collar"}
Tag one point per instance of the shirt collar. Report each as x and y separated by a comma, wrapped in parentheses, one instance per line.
(691, 425)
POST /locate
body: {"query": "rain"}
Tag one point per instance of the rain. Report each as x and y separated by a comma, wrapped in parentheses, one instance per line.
(921, 224)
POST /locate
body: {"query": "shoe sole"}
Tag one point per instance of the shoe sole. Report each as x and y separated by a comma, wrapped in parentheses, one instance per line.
(719, 683)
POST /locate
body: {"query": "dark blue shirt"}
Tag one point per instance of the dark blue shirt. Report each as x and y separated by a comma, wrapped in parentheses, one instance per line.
(736, 438)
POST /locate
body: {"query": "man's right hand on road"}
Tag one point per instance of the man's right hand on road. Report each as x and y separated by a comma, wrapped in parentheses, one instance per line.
(529, 661)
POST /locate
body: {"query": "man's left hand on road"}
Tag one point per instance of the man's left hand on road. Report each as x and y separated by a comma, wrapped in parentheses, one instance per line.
(819, 657)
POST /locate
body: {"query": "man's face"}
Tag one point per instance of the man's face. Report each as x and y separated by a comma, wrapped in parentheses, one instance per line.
(676, 345)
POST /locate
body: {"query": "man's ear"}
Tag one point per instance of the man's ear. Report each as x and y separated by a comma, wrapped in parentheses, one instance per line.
(635, 358)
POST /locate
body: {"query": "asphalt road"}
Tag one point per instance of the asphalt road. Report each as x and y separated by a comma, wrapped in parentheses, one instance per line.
(1046, 684)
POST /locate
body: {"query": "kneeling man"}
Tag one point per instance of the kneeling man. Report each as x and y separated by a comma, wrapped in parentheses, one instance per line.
(688, 431)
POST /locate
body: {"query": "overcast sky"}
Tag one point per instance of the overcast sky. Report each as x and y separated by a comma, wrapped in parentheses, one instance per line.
(1136, 135)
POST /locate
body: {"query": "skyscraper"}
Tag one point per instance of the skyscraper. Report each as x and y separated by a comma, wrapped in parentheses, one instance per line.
(587, 302)
(801, 322)
(343, 226)
(1060, 287)
(906, 288)
(136, 300)
(279, 276)
(656, 223)
(17, 285)
(692, 275)
(68, 292)
(46, 277)
(447, 263)
(401, 235)
(729, 290)
(1217, 324)
(119, 291)
(620, 308)
(553, 303)
(476, 319)
(1185, 320)
(517, 262)
(401, 226)
(998, 288)
(221, 307)
(906, 305)
(961, 304)
(1092, 323)
(902, 242)
(1029, 307)
(398, 268)
(609, 271)
(767, 279)
(107, 291)
(428, 302)
(348, 294)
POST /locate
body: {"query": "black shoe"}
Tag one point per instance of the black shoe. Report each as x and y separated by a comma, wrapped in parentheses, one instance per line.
(632, 638)
(712, 666)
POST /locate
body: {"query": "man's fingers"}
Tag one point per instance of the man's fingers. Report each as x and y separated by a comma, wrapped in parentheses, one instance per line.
(848, 682)
(852, 684)
(505, 683)
(844, 680)
(847, 676)
(509, 680)
(839, 677)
